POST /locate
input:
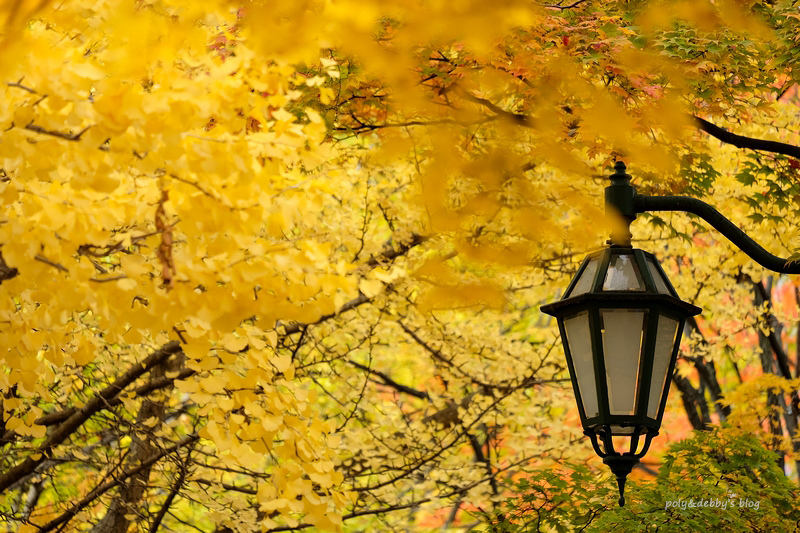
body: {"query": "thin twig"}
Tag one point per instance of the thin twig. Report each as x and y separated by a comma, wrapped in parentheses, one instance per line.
(171, 496)
(562, 8)
(46, 261)
(60, 134)
(106, 280)
(18, 85)
(196, 186)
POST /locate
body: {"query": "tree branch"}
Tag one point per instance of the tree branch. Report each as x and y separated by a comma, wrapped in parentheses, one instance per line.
(388, 509)
(60, 134)
(562, 8)
(392, 383)
(7, 272)
(51, 419)
(708, 374)
(143, 445)
(77, 419)
(176, 487)
(693, 403)
(740, 141)
(516, 118)
(18, 85)
(102, 489)
(389, 254)
(226, 486)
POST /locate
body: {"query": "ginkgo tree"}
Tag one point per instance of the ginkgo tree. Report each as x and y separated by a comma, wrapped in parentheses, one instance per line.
(276, 265)
(157, 202)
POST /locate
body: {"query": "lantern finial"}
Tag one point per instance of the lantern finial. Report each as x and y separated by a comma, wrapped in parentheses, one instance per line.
(621, 466)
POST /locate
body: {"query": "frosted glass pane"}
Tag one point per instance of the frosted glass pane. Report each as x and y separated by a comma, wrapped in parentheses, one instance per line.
(584, 284)
(622, 349)
(622, 275)
(661, 286)
(579, 341)
(619, 430)
(665, 342)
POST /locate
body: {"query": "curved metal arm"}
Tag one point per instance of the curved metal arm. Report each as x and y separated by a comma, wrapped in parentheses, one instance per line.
(622, 199)
(720, 223)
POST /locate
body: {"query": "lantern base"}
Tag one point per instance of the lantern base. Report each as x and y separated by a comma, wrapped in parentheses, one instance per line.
(621, 466)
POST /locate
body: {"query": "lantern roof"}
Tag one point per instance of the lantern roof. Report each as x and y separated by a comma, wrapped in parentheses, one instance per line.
(620, 277)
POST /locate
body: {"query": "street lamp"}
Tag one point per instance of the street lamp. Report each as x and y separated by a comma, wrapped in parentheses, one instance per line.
(621, 322)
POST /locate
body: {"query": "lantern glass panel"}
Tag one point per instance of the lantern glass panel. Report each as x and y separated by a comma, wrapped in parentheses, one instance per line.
(622, 331)
(579, 344)
(661, 285)
(585, 281)
(623, 275)
(666, 335)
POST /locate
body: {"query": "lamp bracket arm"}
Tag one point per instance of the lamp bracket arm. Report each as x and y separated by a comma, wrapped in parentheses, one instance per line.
(643, 203)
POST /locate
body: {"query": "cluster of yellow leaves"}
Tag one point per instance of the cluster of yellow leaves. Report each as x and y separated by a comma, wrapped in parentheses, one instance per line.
(350, 26)
(750, 412)
(125, 138)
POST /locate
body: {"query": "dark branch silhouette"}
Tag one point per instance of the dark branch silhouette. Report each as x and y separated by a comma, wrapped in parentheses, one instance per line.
(98, 402)
(740, 141)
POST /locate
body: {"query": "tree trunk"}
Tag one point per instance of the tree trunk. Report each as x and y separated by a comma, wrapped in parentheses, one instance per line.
(124, 508)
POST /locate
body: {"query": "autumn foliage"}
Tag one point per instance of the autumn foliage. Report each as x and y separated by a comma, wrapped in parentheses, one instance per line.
(276, 265)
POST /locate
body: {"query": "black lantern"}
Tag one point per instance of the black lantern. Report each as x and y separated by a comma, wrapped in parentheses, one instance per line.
(621, 323)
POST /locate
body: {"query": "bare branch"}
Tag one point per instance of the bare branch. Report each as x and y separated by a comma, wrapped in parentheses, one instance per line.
(517, 118)
(196, 186)
(18, 85)
(7, 272)
(106, 280)
(740, 141)
(388, 509)
(176, 487)
(103, 251)
(77, 419)
(392, 383)
(55, 133)
(389, 253)
(562, 7)
(46, 261)
(102, 489)
(235, 488)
